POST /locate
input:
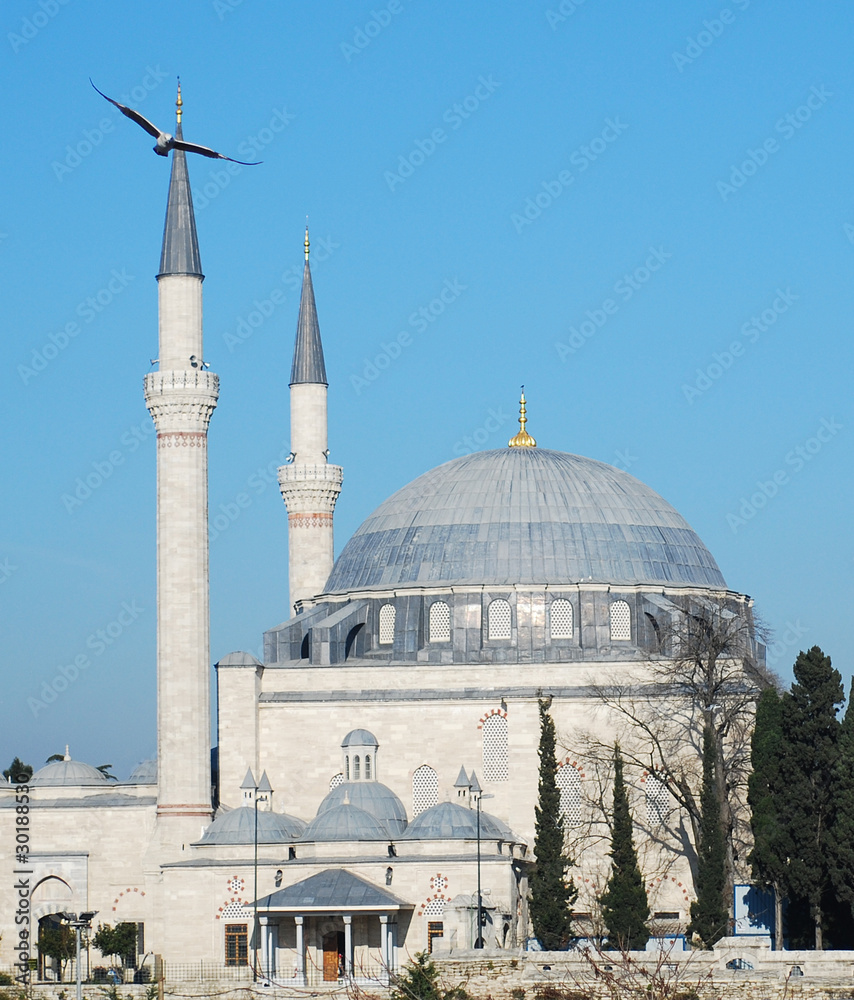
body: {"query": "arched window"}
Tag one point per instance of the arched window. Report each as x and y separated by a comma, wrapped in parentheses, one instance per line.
(336, 780)
(347, 768)
(367, 766)
(440, 622)
(495, 757)
(388, 613)
(305, 648)
(356, 768)
(425, 789)
(621, 622)
(657, 800)
(499, 620)
(569, 783)
(560, 619)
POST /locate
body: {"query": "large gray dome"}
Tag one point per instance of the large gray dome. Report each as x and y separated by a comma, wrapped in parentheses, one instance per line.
(237, 826)
(523, 515)
(450, 821)
(374, 797)
(68, 772)
(346, 822)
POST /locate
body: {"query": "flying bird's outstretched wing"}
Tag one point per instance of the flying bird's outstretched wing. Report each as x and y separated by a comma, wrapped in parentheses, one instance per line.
(192, 147)
(134, 116)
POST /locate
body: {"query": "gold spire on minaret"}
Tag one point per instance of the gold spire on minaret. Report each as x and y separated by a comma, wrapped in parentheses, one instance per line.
(179, 104)
(523, 439)
(306, 244)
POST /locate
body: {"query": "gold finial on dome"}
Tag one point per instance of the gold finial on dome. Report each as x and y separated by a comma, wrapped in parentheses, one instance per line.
(306, 244)
(179, 104)
(523, 439)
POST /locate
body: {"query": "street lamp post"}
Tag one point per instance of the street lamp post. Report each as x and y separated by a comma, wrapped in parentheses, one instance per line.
(262, 786)
(79, 923)
(478, 794)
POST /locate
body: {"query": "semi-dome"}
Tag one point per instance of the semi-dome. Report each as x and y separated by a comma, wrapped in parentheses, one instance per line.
(523, 515)
(346, 822)
(374, 797)
(68, 772)
(237, 826)
(451, 821)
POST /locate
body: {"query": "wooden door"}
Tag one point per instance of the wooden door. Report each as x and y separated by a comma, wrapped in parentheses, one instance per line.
(330, 957)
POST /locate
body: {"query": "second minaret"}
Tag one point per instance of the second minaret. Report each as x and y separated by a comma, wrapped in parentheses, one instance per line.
(309, 485)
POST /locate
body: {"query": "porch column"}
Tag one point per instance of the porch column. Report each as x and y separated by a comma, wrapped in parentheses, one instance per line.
(384, 942)
(271, 934)
(348, 945)
(263, 921)
(300, 949)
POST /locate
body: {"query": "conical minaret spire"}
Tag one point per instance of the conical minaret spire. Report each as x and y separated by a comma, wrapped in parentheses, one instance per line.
(309, 485)
(181, 398)
(180, 253)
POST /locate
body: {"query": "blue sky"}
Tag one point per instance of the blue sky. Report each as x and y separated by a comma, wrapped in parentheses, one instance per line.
(644, 212)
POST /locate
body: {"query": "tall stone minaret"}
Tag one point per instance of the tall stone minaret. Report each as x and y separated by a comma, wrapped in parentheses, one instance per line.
(181, 397)
(310, 485)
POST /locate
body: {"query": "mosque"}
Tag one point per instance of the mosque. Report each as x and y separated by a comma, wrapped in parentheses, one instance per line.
(374, 779)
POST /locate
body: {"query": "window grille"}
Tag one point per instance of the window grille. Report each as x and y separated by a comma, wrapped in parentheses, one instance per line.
(499, 620)
(435, 908)
(425, 789)
(336, 780)
(495, 756)
(388, 612)
(356, 762)
(368, 767)
(560, 619)
(569, 783)
(435, 929)
(657, 800)
(236, 944)
(235, 911)
(621, 621)
(440, 622)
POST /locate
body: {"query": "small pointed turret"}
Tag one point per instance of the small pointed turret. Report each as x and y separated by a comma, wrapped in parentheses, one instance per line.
(180, 253)
(308, 366)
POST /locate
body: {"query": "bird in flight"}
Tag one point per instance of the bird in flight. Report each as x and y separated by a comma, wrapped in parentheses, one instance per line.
(165, 141)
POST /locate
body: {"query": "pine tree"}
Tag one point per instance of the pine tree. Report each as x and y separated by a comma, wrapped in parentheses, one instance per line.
(552, 890)
(767, 797)
(709, 913)
(625, 907)
(841, 834)
(18, 772)
(808, 754)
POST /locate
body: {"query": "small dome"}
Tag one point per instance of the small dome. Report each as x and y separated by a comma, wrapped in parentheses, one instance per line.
(449, 821)
(372, 796)
(359, 738)
(346, 822)
(237, 826)
(144, 773)
(67, 772)
(239, 659)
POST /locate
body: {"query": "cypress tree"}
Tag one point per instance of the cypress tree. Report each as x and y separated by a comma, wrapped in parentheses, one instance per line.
(552, 891)
(709, 912)
(767, 797)
(809, 749)
(841, 834)
(625, 907)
